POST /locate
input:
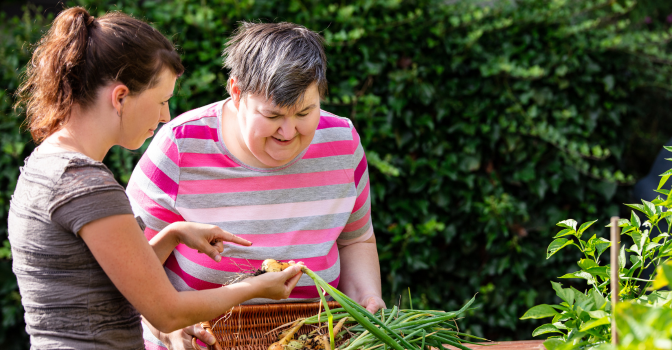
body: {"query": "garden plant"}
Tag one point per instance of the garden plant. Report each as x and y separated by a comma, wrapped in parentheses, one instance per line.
(584, 318)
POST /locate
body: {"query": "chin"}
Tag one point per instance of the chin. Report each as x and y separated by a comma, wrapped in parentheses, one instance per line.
(133, 146)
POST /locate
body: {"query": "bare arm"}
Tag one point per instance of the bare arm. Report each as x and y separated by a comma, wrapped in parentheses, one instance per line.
(124, 254)
(207, 239)
(360, 274)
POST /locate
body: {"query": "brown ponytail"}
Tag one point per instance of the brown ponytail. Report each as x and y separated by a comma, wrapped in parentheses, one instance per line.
(80, 54)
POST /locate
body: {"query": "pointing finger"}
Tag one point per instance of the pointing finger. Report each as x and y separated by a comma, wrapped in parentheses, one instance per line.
(230, 237)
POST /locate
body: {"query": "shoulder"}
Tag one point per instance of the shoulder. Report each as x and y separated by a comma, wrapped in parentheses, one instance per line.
(81, 175)
(329, 120)
(196, 123)
(333, 127)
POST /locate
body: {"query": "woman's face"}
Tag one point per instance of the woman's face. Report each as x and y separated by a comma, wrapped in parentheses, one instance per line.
(142, 113)
(276, 135)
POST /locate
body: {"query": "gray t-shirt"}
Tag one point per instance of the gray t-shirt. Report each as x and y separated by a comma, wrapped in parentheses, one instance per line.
(69, 301)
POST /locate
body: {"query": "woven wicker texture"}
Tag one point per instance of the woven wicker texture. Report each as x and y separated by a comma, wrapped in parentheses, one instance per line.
(246, 326)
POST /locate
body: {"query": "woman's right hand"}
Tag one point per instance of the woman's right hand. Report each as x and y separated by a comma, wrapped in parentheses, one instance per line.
(270, 285)
(276, 285)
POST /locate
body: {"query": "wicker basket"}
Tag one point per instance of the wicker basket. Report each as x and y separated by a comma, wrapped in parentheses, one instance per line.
(248, 326)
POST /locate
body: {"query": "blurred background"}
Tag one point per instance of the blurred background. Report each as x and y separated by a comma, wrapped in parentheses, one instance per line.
(485, 123)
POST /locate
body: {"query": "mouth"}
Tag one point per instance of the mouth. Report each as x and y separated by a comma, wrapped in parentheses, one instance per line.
(283, 141)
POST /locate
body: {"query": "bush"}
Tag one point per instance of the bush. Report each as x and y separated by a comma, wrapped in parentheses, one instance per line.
(483, 125)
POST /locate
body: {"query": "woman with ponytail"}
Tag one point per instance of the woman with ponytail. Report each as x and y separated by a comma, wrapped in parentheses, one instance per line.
(84, 268)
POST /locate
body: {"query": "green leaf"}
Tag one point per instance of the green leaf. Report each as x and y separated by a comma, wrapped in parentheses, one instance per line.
(590, 246)
(584, 226)
(639, 207)
(665, 192)
(580, 274)
(669, 148)
(597, 314)
(649, 208)
(667, 173)
(556, 245)
(602, 271)
(600, 301)
(661, 236)
(539, 311)
(634, 219)
(628, 229)
(565, 232)
(602, 245)
(649, 246)
(565, 294)
(662, 182)
(639, 239)
(622, 222)
(594, 323)
(663, 276)
(569, 223)
(560, 325)
(545, 328)
(554, 344)
(585, 264)
(621, 258)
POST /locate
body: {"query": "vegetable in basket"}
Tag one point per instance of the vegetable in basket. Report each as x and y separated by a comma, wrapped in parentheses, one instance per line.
(401, 330)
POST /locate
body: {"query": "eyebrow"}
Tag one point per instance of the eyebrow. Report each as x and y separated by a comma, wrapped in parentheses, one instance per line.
(275, 112)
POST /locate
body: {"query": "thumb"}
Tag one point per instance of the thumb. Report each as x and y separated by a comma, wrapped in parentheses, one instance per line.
(292, 271)
(212, 252)
(371, 305)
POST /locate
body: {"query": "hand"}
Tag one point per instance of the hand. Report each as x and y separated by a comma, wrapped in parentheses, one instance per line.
(372, 303)
(205, 238)
(183, 339)
(276, 285)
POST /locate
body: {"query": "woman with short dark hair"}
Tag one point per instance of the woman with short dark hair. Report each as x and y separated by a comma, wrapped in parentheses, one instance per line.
(82, 263)
(268, 165)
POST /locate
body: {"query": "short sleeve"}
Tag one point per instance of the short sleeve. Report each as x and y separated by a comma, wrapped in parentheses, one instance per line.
(86, 191)
(359, 227)
(82, 210)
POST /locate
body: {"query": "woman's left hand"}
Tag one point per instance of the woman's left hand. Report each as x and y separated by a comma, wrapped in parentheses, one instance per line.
(372, 303)
(205, 238)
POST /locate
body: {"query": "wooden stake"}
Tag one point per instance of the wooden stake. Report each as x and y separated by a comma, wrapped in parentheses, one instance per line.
(615, 249)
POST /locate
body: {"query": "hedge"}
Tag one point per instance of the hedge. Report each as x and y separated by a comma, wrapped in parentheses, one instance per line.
(484, 123)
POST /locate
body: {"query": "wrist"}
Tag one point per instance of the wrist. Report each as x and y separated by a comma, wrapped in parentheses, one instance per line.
(172, 233)
(247, 288)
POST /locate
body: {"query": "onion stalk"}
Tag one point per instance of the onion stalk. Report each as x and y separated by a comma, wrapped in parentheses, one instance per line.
(400, 330)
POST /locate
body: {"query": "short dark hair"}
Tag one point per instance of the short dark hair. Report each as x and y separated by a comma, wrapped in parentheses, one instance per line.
(278, 60)
(80, 54)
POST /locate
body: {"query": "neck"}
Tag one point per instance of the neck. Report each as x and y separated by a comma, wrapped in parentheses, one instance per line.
(83, 133)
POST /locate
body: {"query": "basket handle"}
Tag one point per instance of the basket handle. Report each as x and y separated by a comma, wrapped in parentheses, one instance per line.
(208, 328)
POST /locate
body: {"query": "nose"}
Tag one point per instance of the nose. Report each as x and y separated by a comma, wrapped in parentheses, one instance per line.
(288, 128)
(165, 114)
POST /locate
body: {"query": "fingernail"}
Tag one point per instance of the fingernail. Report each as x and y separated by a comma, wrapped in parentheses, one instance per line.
(218, 258)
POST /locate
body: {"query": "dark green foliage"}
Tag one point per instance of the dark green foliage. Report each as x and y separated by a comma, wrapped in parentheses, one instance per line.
(483, 126)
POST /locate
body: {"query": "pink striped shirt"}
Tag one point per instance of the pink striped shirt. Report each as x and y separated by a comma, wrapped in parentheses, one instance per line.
(298, 211)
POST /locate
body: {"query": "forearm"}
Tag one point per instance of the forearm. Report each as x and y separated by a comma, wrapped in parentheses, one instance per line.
(183, 309)
(164, 243)
(360, 270)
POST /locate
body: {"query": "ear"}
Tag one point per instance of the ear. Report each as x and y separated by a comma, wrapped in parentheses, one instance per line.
(119, 93)
(235, 91)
